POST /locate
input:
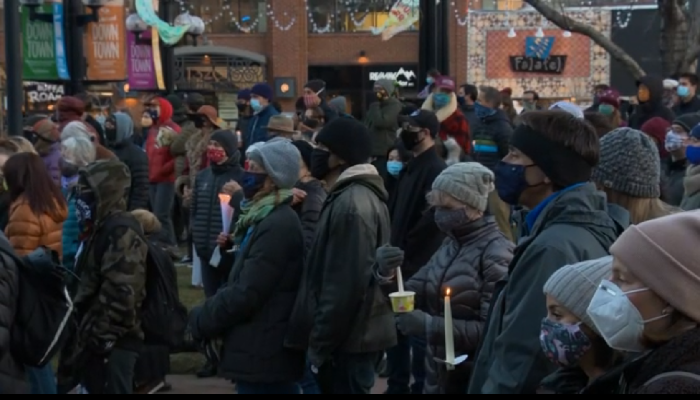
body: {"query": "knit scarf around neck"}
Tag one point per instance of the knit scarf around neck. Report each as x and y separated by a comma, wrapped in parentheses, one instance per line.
(253, 212)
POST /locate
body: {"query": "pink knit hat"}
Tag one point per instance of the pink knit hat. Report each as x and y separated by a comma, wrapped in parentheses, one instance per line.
(663, 254)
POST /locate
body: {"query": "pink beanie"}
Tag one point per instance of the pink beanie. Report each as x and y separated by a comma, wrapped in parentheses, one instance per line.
(663, 254)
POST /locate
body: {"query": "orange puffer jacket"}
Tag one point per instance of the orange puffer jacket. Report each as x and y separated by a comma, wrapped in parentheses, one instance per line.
(27, 231)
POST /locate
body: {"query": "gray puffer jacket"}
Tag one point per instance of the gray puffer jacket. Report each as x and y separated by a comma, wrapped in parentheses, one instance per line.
(12, 376)
(470, 262)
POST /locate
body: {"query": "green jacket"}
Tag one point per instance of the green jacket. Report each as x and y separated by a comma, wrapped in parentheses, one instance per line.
(382, 121)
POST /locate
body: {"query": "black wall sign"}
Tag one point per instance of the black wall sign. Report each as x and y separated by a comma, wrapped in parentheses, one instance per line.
(549, 65)
(405, 75)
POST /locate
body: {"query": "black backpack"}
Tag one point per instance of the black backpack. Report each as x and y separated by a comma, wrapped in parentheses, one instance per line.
(163, 317)
(44, 307)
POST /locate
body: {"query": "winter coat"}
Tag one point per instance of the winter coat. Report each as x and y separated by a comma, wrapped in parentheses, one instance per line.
(135, 159)
(382, 121)
(205, 211)
(257, 126)
(652, 108)
(195, 158)
(309, 210)
(338, 276)
(453, 123)
(573, 225)
(50, 153)
(691, 183)
(469, 262)
(252, 312)
(12, 374)
(179, 150)
(28, 231)
(161, 164)
(4, 209)
(672, 188)
(691, 107)
(492, 139)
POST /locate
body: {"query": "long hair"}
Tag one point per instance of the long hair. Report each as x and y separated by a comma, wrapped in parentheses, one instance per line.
(26, 175)
(641, 209)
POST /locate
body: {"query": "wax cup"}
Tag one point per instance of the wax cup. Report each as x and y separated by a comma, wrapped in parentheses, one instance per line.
(402, 302)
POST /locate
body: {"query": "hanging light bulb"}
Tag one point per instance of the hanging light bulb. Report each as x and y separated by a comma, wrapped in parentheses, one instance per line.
(566, 34)
(511, 33)
(539, 33)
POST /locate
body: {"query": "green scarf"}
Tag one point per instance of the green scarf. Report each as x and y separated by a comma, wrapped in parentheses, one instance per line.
(253, 212)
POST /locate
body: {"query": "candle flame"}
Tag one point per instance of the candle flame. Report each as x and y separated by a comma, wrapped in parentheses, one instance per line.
(448, 291)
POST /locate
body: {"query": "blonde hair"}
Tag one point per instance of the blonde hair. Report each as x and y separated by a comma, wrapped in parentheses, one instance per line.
(641, 209)
(23, 145)
(438, 198)
(149, 222)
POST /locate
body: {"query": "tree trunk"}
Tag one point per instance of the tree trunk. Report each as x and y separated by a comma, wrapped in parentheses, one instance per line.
(674, 37)
(571, 25)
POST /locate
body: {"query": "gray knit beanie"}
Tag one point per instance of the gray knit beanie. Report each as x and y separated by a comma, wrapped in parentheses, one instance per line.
(281, 160)
(468, 182)
(573, 286)
(629, 163)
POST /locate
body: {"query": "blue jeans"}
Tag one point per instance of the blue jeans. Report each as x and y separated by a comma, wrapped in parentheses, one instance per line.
(403, 360)
(267, 388)
(308, 382)
(41, 380)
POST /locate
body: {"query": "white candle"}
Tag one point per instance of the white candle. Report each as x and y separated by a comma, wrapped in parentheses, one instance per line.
(399, 279)
(449, 335)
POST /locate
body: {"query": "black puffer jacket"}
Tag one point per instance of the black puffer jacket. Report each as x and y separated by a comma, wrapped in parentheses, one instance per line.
(654, 107)
(205, 212)
(491, 139)
(12, 376)
(470, 262)
(122, 145)
(310, 209)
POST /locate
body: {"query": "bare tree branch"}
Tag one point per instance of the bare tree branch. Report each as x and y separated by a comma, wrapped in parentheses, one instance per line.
(567, 23)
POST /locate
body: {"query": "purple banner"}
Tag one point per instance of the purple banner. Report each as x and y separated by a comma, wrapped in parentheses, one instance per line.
(142, 75)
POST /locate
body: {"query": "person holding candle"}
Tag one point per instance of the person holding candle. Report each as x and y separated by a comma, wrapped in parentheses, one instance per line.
(474, 256)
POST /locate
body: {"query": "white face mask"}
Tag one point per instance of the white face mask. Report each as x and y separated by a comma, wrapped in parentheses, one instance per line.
(617, 319)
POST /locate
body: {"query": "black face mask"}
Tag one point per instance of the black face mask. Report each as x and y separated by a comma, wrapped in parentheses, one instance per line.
(68, 169)
(312, 123)
(30, 135)
(319, 163)
(111, 130)
(242, 107)
(410, 139)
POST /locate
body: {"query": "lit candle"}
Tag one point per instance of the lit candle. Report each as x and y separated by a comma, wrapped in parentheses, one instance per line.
(399, 279)
(449, 335)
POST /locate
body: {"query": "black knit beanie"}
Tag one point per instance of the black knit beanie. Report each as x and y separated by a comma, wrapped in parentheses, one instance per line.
(348, 139)
(305, 149)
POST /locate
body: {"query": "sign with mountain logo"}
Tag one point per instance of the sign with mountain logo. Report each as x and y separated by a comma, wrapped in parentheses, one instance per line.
(404, 76)
(538, 58)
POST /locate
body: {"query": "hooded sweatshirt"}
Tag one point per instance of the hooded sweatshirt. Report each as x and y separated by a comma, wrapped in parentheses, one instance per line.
(382, 120)
(654, 107)
(161, 164)
(119, 141)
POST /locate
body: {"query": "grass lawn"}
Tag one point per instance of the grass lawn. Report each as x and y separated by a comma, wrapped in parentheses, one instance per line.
(187, 363)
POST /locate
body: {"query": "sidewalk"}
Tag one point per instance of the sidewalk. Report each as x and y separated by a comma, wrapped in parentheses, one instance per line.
(188, 384)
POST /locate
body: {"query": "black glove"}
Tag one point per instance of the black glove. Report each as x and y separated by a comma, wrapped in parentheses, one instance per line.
(388, 258)
(414, 323)
(99, 347)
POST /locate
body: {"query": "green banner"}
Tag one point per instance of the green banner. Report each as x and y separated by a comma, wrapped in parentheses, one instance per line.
(38, 47)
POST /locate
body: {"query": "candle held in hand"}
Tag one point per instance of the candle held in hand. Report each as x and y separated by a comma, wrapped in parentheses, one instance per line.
(449, 334)
(399, 279)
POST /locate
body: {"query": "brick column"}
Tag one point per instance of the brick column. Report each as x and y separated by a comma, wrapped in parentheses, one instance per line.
(287, 50)
(458, 49)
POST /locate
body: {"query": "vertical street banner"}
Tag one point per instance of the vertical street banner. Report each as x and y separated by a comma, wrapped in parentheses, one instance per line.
(105, 44)
(402, 15)
(155, 47)
(141, 71)
(43, 45)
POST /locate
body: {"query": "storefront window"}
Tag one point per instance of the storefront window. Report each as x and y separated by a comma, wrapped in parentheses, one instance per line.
(225, 16)
(349, 15)
(514, 5)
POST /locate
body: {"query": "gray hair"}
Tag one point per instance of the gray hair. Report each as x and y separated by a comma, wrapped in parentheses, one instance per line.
(75, 129)
(78, 150)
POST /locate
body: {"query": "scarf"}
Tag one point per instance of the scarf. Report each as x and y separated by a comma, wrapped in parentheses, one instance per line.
(253, 212)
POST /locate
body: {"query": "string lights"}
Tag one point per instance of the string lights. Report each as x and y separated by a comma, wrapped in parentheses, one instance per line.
(277, 22)
(460, 21)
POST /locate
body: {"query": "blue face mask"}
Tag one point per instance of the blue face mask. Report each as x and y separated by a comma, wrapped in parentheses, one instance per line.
(430, 80)
(482, 111)
(510, 181)
(255, 105)
(441, 100)
(606, 109)
(692, 153)
(251, 183)
(394, 168)
(683, 91)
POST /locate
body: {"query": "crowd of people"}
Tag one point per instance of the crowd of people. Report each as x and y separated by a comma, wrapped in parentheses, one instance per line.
(559, 239)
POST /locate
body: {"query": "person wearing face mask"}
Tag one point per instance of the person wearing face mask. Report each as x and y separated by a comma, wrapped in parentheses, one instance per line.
(568, 221)
(470, 261)
(118, 130)
(413, 229)
(244, 113)
(568, 337)
(340, 104)
(691, 182)
(530, 99)
(676, 164)
(467, 96)
(433, 76)
(397, 159)
(453, 124)
(597, 92)
(312, 121)
(650, 98)
(260, 104)
(609, 106)
(47, 145)
(650, 314)
(315, 96)
(344, 352)
(687, 92)
(183, 116)
(252, 313)
(381, 119)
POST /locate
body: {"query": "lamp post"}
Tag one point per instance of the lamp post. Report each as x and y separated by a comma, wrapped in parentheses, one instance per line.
(75, 22)
(136, 25)
(13, 69)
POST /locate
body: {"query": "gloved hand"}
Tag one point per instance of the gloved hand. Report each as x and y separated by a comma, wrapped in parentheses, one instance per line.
(414, 323)
(99, 347)
(388, 258)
